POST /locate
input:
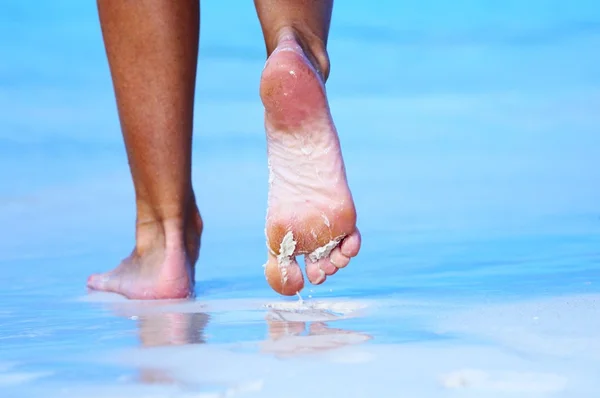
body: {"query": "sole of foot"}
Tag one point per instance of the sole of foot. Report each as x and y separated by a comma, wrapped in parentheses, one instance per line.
(310, 210)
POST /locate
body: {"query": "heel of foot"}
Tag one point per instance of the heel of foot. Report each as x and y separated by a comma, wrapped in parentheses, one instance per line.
(291, 90)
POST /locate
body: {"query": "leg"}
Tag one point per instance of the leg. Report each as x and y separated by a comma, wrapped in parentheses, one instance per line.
(152, 48)
(311, 210)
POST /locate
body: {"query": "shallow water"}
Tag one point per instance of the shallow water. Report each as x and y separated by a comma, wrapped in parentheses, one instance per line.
(471, 139)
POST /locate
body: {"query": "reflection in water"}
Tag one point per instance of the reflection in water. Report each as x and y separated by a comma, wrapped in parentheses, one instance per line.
(172, 329)
(288, 338)
(290, 332)
(169, 329)
(159, 327)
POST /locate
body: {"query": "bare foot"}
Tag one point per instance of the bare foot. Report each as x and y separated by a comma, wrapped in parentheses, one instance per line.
(162, 264)
(310, 210)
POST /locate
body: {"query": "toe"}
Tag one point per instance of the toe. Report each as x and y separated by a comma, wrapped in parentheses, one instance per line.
(351, 244)
(100, 282)
(319, 270)
(338, 259)
(285, 279)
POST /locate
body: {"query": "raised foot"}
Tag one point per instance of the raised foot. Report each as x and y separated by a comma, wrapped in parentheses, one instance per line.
(311, 210)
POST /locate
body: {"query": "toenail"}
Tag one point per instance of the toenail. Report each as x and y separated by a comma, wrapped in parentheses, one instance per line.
(322, 276)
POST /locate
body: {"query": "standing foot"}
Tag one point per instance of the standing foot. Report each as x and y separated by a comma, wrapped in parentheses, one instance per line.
(162, 264)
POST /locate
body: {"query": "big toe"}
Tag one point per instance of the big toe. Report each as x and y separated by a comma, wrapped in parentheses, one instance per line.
(103, 282)
(285, 278)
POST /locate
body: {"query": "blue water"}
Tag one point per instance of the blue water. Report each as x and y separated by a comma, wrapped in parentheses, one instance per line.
(470, 132)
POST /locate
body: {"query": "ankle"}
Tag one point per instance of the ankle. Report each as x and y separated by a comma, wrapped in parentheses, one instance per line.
(180, 231)
(159, 234)
(314, 48)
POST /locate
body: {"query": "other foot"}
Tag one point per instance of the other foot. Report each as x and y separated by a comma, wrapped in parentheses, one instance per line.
(162, 264)
(310, 209)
